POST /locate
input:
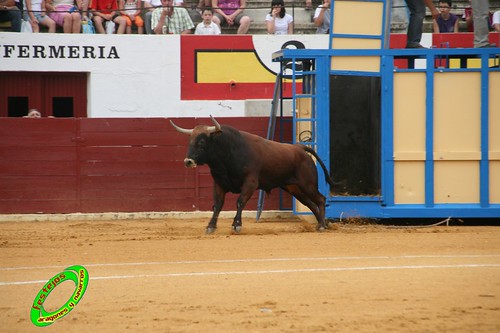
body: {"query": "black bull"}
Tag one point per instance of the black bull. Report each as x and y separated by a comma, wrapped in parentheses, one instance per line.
(241, 162)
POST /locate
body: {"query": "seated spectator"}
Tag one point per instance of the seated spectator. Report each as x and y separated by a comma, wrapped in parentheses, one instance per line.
(278, 21)
(131, 12)
(150, 6)
(310, 4)
(468, 17)
(106, 11)
(207, 26)
(446, 21)
(321, 18)
(9, 11)
(65, 14)
(230, 12)
(37, 15)
(496, 21)
(171, 19)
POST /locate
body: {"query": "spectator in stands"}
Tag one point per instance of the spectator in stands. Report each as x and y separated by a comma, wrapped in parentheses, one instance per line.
(321, 18)
(230, 12)
(65, 14)
(9, 11)
(33, 113)
(496, 21)
(446, 21)
(131, 12)
(310, 4)
(469, 20)
(37, 15)
(207, 26)
(107, 11)
(480, 15)
(467, 17)
(278, 21)
(150, 6)
(417, 15)
(171, 19)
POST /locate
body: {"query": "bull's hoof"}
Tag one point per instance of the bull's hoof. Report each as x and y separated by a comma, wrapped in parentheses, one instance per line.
(237, 229)
(210, 230)
(320, 228)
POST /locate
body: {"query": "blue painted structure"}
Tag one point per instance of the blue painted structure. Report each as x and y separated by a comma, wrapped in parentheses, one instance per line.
(316, 86)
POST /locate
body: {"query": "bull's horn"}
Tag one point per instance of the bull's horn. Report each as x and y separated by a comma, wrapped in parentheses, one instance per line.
(215, 128)
(180, 129)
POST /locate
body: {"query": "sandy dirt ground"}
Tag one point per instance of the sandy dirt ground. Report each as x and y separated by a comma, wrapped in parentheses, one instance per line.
(276, 276)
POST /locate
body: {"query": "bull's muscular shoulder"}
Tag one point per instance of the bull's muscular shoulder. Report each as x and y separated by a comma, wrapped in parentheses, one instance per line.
(230, 147)
(230, 158)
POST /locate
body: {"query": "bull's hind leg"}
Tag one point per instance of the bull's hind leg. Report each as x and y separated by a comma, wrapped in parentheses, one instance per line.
(314, 201)
(219, 196)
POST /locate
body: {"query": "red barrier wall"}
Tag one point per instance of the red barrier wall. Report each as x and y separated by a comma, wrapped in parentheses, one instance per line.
(109, 165)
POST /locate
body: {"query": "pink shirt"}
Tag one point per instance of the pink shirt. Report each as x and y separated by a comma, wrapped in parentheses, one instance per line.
(229, 6)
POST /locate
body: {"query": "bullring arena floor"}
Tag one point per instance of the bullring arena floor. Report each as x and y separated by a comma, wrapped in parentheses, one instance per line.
(277, 276)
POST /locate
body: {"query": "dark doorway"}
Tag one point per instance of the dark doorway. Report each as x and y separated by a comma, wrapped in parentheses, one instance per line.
(355, 134)
(53, 94)
(17, 106)
(62, 107)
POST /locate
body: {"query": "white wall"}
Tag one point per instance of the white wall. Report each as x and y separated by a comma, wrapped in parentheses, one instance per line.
(138, 76)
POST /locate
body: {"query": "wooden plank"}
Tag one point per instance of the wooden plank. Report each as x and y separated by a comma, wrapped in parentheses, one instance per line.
(105, 165)
(103, 125)
(166, 181)
(100, 168)
(127, 138)
(126, 153)
(38, 168)
(144, 205)
(44, 132)
(133, 194)
(28, 206)
(38, 153)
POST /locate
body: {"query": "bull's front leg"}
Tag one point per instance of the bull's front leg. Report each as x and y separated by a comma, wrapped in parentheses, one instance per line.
(219, 197)
(246, 193)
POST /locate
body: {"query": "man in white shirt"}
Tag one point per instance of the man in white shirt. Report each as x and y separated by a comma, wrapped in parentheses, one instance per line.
(496, 21)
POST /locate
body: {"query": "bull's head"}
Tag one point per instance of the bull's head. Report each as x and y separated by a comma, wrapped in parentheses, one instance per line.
(198, 142)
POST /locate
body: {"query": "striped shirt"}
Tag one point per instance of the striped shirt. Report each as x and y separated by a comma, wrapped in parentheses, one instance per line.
(175, 24)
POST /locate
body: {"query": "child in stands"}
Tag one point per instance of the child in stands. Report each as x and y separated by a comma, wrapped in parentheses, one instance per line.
(106, 11)
(207, 27)
(131, 12)
(446, 21)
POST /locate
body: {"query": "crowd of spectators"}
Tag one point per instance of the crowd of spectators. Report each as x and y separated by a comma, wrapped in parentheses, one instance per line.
(177, 17)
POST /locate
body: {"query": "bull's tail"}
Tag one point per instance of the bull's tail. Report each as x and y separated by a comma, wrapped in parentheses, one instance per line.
(313, 153)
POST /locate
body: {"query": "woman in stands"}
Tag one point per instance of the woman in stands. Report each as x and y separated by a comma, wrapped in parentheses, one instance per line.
(37, 14)
(278, 21)
(65, 14)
